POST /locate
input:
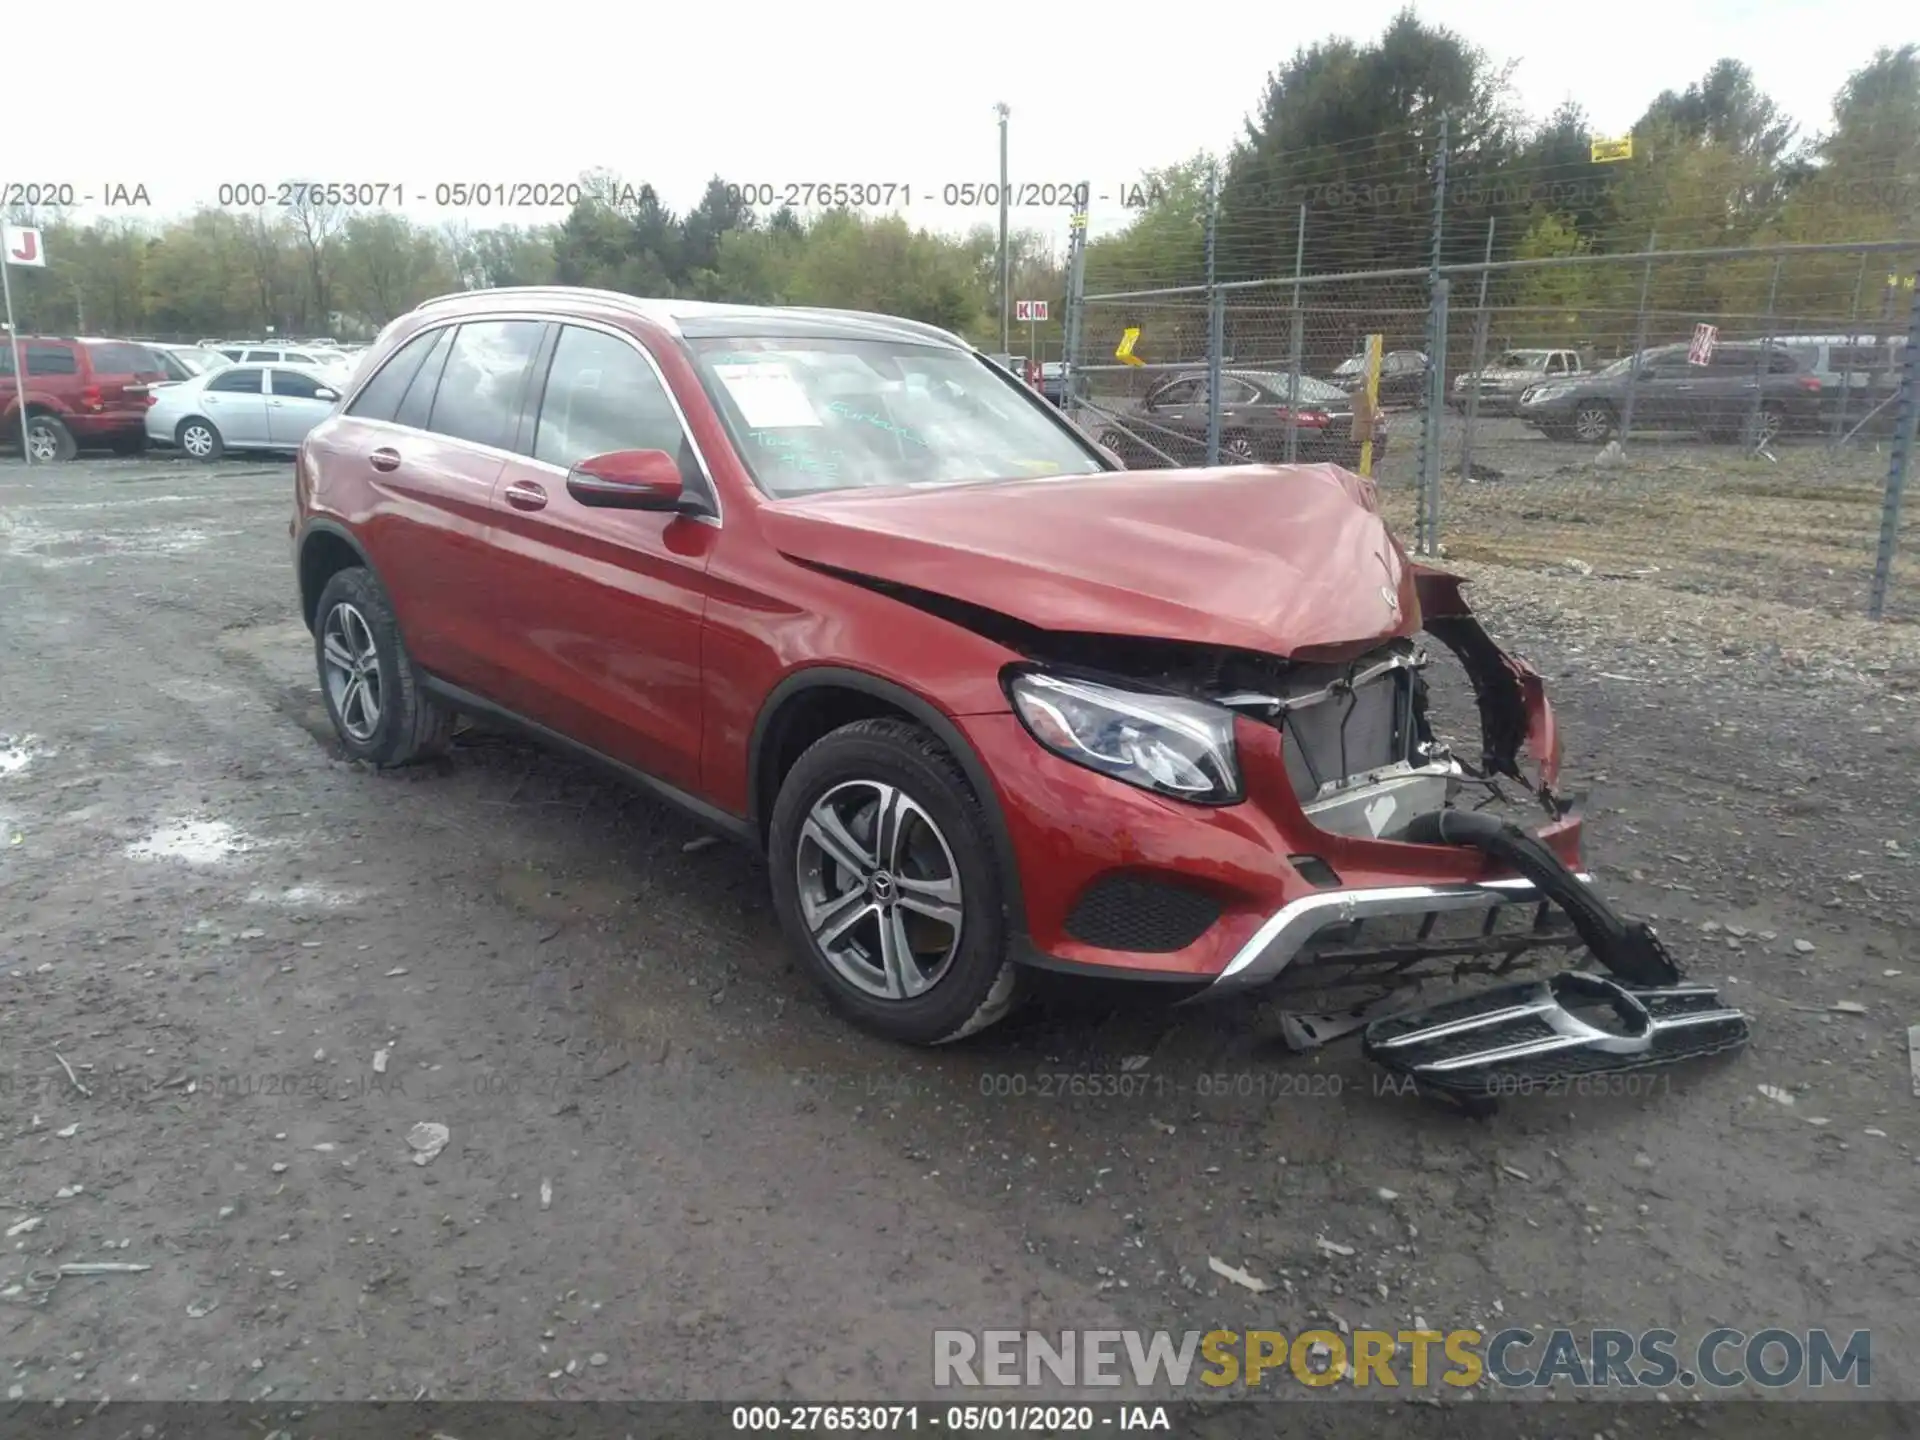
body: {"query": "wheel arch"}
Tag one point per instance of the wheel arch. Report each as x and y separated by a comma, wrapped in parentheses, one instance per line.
(818, 699)
(326, 548)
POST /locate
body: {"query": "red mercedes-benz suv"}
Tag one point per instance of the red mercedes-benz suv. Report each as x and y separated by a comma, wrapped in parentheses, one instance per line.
(985, 700)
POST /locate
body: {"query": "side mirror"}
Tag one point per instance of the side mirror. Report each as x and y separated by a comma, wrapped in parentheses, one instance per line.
(628, 480)
(325, 394)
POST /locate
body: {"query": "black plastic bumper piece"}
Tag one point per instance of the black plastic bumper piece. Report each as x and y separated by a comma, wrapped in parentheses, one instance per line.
(1530, 1038)
(1629, 948)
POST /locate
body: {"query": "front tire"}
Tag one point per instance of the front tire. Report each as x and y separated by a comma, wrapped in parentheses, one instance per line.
(373, 694)
(886, 885)
(200, 438)
(1593, 422)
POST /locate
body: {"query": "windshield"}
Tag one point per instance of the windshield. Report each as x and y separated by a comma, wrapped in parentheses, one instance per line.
(1621, 366)
(810, 415)
(201, 361)
(1522, 360)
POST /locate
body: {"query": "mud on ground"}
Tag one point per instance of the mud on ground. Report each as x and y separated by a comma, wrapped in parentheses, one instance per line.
(671, 1174)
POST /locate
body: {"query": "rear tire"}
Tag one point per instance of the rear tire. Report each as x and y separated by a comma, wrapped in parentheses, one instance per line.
(857, 895)
(380, 711)
(200, 438)
(49, 441)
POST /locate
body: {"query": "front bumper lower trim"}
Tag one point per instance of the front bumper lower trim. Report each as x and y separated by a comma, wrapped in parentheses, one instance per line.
(1277, 943)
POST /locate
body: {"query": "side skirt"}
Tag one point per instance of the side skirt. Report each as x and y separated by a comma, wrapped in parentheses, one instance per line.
(733, 827)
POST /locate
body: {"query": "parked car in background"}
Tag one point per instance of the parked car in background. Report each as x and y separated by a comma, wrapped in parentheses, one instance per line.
(1744, 391)
(984, 703)
(1403, 377)
(80, 394)
(257, 352)
(1053, 380)
(1253, 422)
(1859, 376)
(242, 407)
(1513, 372)
(185, 362)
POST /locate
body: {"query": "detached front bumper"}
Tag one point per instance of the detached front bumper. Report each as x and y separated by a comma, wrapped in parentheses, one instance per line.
(1340, 925)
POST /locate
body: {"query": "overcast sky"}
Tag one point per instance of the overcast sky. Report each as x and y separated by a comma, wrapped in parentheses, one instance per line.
(420, 94)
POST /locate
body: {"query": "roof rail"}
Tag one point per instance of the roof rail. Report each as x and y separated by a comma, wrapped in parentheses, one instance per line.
(920, 326)
(629, 301)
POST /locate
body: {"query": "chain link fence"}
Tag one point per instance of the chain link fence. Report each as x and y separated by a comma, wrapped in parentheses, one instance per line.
(1733, 421)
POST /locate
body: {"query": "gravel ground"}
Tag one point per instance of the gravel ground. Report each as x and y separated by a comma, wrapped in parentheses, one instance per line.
(671, 1174)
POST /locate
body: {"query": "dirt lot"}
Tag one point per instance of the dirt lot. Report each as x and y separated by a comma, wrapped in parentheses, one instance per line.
(671, 1174)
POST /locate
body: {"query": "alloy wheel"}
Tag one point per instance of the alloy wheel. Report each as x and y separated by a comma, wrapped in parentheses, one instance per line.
(1766, 427)
(197, 441)
(352, 671)
(879, 889)
(43, 446)
(1592, 423)
(1240, 449)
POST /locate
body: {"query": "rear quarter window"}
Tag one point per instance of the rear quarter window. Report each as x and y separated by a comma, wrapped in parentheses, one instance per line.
(52, 360)
(380, 397)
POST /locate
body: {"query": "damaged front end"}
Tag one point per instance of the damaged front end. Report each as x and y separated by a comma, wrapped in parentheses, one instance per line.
(1368, 765)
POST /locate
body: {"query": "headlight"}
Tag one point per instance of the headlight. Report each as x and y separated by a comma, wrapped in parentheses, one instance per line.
(1544, 392)
(1164, 743)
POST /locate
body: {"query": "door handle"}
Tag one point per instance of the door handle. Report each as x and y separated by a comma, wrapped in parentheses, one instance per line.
(384, 459)
(525, 495)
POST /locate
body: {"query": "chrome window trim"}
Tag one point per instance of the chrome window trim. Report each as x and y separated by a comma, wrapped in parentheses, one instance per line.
(544, 318)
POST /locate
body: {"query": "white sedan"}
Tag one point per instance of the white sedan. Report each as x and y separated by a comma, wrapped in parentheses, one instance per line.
(243, 407)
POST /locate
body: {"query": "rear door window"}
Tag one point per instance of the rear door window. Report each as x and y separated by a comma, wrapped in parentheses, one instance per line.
(237, 381)
(485, 381)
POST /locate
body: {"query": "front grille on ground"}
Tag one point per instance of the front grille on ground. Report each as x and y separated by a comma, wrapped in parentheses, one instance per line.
(1125, 912)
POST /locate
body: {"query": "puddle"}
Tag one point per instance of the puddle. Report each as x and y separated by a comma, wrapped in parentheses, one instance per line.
(197, 842)
(16, 751)
(308, 897)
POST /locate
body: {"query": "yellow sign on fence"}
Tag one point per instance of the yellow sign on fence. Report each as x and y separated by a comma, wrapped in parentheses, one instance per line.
(1124, 350)
(1900, 282)
(1607, 151)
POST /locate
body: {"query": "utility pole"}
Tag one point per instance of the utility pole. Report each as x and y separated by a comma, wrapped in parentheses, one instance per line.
(1006, 256)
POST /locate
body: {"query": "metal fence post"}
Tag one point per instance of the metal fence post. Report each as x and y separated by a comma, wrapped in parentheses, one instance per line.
(1429, 527)
(1853, 343)
(1426, 540)
(1295, 357)
(1764, 364)
(1216, 320)
(1897, 468)
(1639, 342)
(1479, 359)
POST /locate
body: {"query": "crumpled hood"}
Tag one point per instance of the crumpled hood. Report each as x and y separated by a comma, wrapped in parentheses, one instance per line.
(1274, 558)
